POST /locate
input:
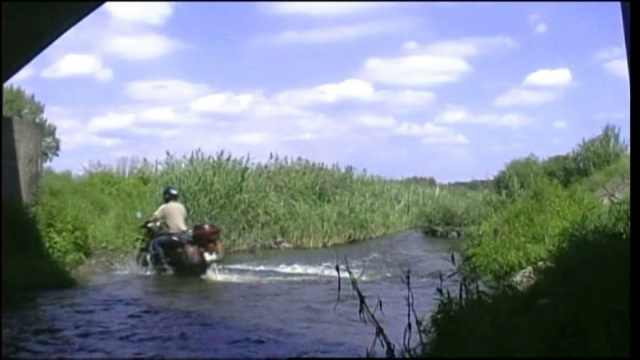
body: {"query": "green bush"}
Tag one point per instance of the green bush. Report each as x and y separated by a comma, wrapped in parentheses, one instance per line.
(527, 230)
(579, 307)
(518, 177)
(600, 152)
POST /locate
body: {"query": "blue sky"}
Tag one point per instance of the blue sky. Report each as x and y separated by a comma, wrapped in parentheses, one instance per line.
(451, 90)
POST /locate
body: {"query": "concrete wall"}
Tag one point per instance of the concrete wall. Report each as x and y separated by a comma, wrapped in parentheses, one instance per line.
(21, 160)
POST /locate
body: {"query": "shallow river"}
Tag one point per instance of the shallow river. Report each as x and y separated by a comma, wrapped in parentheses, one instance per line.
(270, 304)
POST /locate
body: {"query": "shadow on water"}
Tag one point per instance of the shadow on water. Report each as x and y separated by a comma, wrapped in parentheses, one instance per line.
(27, 267)
(272, 303)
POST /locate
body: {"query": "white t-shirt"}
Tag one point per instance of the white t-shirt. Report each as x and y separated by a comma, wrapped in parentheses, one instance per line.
(174, 214)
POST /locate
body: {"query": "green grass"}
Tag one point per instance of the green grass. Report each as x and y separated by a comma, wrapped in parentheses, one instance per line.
(579, 307)
(306, 204)
(558, 211)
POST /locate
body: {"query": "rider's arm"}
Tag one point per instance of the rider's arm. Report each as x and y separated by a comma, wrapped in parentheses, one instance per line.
(157, 215)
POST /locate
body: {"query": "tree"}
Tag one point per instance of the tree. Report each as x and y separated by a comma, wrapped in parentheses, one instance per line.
(17, 104)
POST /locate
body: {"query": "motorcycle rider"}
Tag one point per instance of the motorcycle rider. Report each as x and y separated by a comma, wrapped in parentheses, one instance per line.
(173, 214)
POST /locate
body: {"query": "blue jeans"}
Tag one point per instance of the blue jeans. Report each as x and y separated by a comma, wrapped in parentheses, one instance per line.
(159, 244)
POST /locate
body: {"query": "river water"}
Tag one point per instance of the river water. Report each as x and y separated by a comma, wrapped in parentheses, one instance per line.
(269, 304)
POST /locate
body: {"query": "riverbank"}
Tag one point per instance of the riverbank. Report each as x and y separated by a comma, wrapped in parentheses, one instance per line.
(570, 213)
(280, 204)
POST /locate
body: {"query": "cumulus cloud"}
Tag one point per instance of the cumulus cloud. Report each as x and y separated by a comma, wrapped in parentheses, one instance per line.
(614, 61)
(539, 26)
(445, 139)
(617, 68)
(165, 90)
(340, 33)
(548, 77)
(609, 53)
(350, 89)
(417, 70)
(434, 63)
(412, 129)
(410, 45)
(516, 96)
(430, 133)
(252, 138)
(73, 65)
(110, 122)
(459, 115)
(353, 90)
(148, 13)
(140, 47)
(73, 133)
(223, 103)
(375, 121)
(324, 9)
(464, 47)
(560, 125)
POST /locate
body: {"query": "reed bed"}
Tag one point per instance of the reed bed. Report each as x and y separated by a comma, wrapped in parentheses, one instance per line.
(296, 202)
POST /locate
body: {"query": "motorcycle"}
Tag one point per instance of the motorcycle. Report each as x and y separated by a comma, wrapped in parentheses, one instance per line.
(193, 254)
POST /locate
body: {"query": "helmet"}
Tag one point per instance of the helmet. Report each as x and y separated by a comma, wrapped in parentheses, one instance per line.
(170, 193)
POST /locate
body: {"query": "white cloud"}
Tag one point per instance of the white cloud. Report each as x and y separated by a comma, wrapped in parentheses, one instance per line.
(609, 53)
(148, 13)
(445, 139)
(76, 140)
(340, 33)
(73, 133)
(325, 8)
(252, 138)
(617, 68)
(548, 77)
(464, 47)
(165, 115)
(162, 114)
(426, 129)
(541, 28)
(165, 91)
(435, 63)
(511, 120)
(110, 122)
(431, 133)
(141, 46)
(156, 132)
(223, 103)
(353, 90)
(23, 74)
(517, 96)
(614, 61)
(350, 89)
(458, 115)
(560, 125)
(418, 70)
(410, 45)
(376, 121)
(78, 65)
(404, 98)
